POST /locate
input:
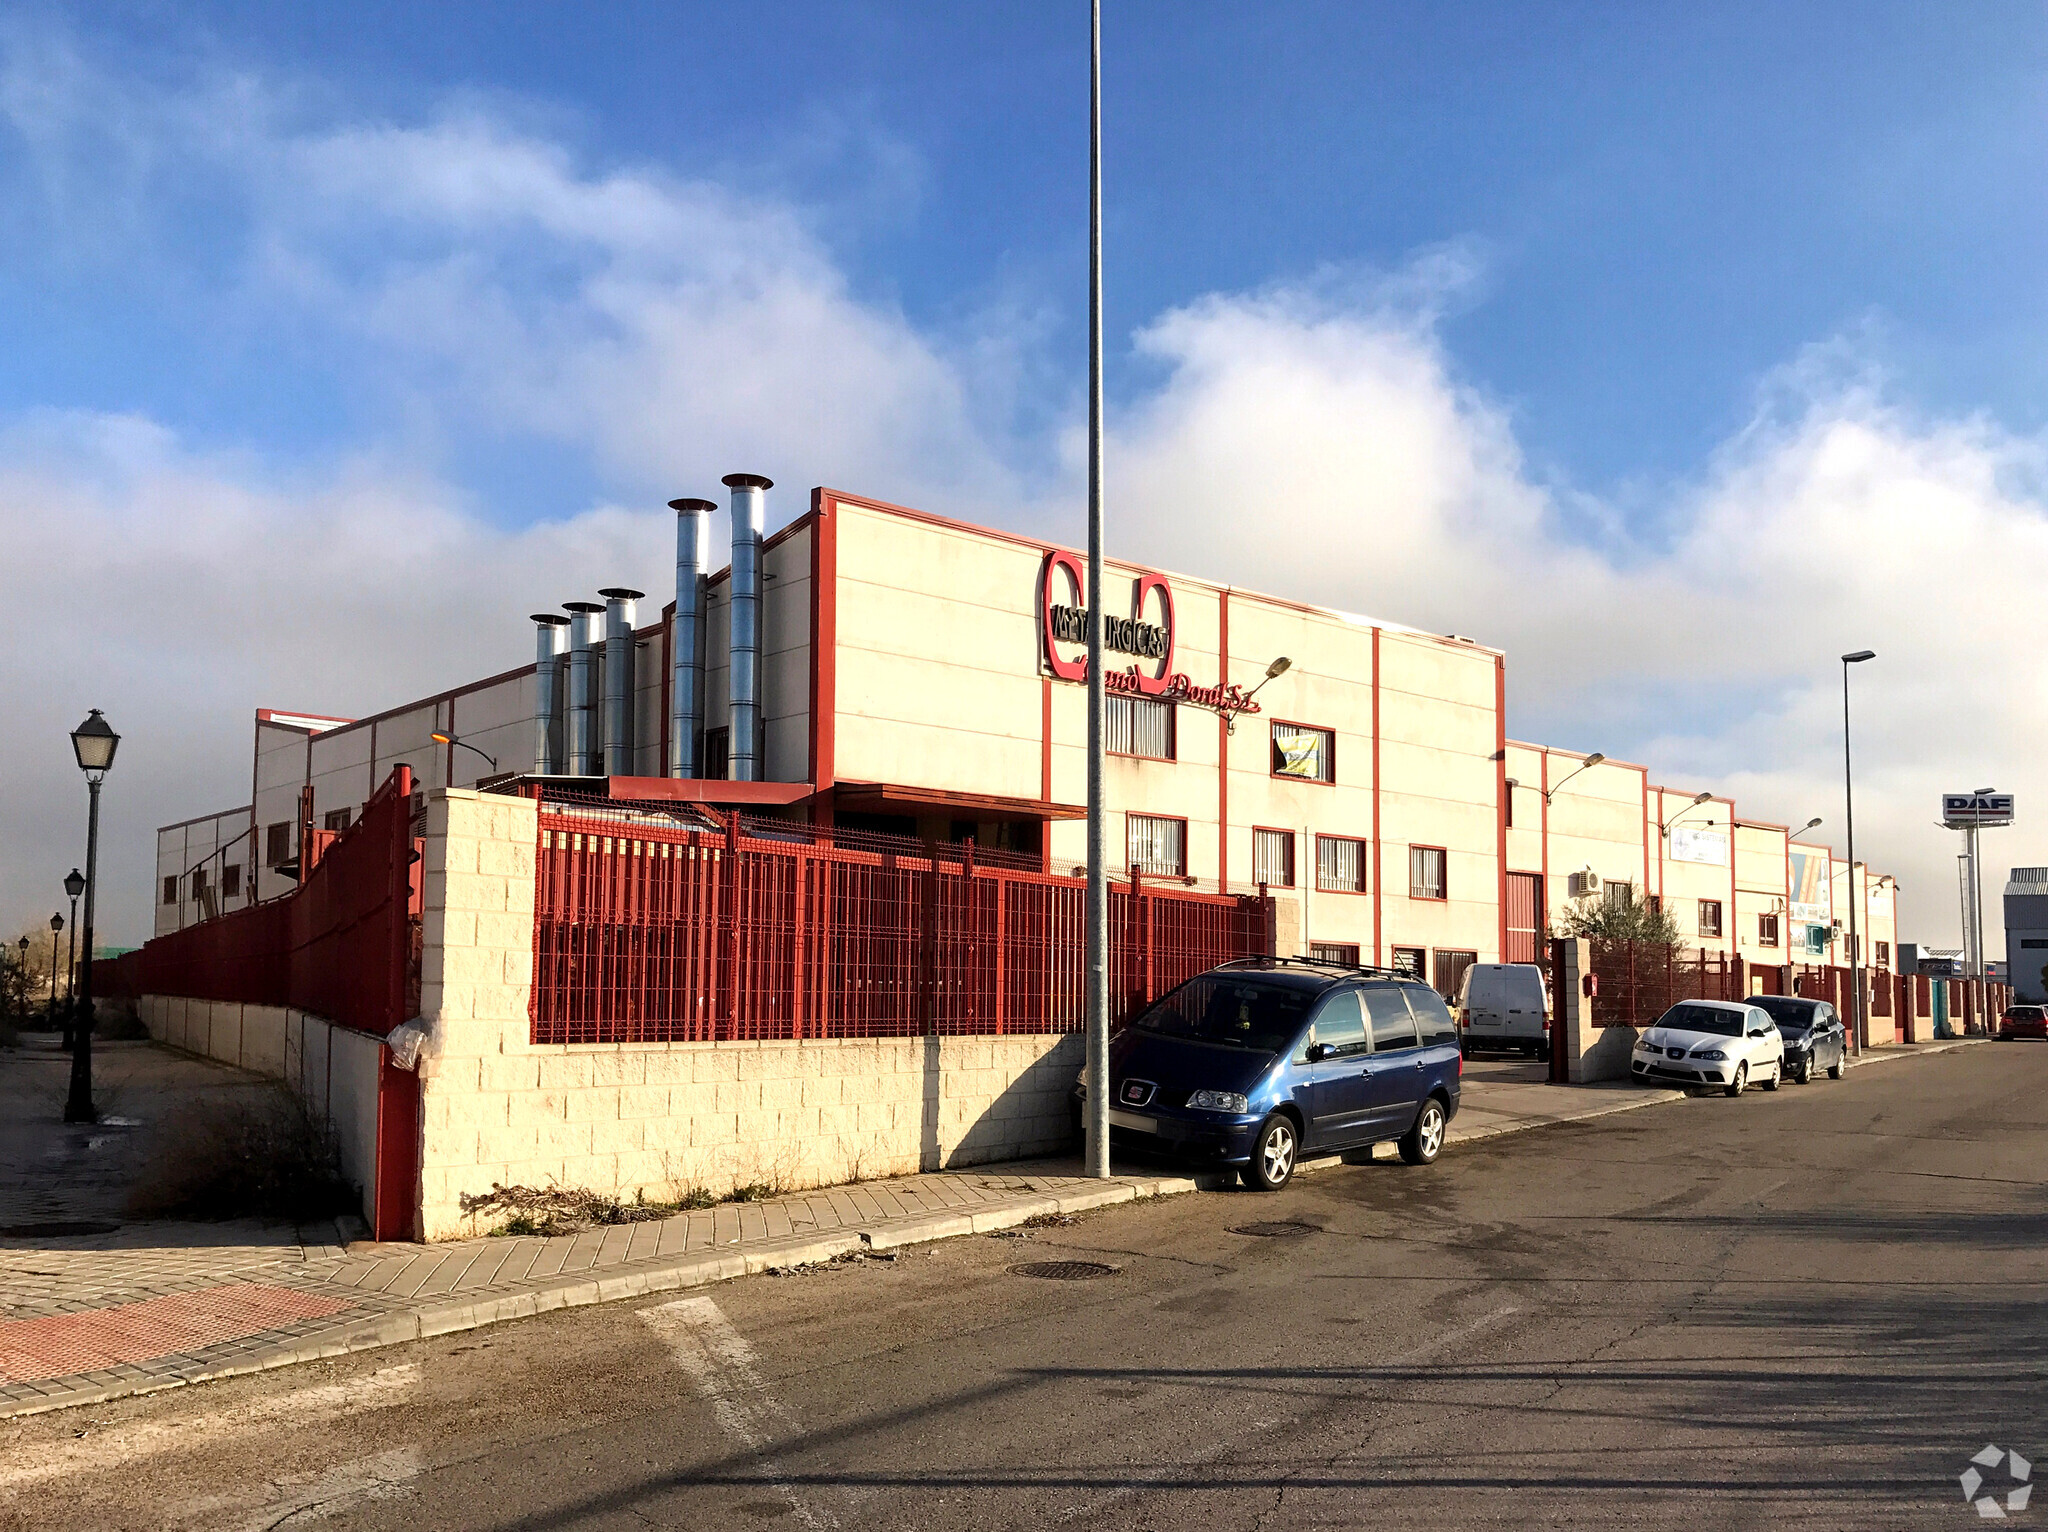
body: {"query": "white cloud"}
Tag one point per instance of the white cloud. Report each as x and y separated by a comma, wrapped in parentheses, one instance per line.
(1313, 439)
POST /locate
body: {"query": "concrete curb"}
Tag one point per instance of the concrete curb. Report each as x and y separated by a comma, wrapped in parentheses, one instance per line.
(373, 1332)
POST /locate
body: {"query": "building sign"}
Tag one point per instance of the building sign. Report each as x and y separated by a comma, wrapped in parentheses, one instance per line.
(1975, 811)
(1812, 888)
(1699, 843)
(1146, 636)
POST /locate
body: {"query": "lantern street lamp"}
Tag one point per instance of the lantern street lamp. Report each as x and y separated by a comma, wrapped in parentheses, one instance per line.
(74, 885)
(56, 925)
(94, 743)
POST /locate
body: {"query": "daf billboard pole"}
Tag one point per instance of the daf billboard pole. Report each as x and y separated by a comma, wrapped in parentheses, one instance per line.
(1098, 881)
(1859, 1023)
(1986, 808)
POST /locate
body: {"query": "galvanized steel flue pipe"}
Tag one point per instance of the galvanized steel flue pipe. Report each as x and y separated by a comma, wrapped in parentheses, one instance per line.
(550, 640)
(586, 632)
(686, 686)
(749, 518)
(620, 615)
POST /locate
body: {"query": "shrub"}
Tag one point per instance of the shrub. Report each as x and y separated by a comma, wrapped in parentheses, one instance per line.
(241, 1156)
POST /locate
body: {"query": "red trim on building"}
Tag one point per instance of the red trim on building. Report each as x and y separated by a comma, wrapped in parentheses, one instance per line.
(1646, 836)
(1222, 744)
(825, 640)
(706, 790)
(1379, 849)
(1045, 766)
(1500, 797)
(1543, 843)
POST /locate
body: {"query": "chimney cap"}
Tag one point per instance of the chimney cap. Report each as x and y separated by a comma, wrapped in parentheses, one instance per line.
(691, 505)
(620, 593)
(746, 481)
(582, 606)
(550, 620)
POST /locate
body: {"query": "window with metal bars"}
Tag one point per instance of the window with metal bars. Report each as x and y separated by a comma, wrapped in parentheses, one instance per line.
(1410, 960)
(1340, 864)
(1304, 753)
(1426, 873)
(1710, 917)
(1334, 952)
(1273, 858)
(1140, 726)
(1156, 844)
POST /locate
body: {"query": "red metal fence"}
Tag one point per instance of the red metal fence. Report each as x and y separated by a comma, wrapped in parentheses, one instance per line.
(769, 929)
(1639, 981)
(343, 945)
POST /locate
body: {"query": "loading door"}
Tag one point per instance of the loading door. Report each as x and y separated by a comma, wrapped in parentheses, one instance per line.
(1525, 917)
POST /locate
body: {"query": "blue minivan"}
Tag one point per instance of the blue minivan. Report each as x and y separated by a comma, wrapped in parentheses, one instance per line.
(1260, 1061)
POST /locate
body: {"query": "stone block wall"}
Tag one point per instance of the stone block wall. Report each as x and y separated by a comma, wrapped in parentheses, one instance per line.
(664, 1118)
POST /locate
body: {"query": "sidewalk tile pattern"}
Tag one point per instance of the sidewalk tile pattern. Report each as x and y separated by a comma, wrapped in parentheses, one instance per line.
(58, 1345)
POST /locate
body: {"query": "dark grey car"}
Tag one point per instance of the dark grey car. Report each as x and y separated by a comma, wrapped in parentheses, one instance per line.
(1813, 1033)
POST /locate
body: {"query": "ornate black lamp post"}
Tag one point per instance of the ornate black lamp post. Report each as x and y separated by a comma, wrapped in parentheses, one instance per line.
(56, 925)
(94, 743)
(74, 885)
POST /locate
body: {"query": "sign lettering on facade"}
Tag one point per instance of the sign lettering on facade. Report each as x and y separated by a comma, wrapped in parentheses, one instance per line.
(1965, 811)
(1699, 843)
(1146, 635)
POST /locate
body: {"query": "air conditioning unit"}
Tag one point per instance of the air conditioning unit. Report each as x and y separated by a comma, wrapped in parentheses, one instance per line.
(1581, 884)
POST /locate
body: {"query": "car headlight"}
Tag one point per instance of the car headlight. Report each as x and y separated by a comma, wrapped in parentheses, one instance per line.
(1645, 1045)
(1218, 1101)
(1711, 1053)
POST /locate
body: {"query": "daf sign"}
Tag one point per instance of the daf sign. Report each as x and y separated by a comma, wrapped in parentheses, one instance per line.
(1975, 811)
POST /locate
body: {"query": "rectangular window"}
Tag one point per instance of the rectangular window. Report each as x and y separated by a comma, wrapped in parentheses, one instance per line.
(198, 881)
(277, 843)
(1710, 917)
(1426, 873)
(1157, 845)
(1617, 896)
(717, 753)
(1273, 858)
(1450, 971)
(337, 819)
(1411, 960)
(1140, 726)
(1340, 864)
(170, 890)
(231, 881)
(1884, 954)
(1767, 930)
(1334, 952)
(1307, 754)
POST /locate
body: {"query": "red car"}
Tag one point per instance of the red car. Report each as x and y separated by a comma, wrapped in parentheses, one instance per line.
(2023, 1021)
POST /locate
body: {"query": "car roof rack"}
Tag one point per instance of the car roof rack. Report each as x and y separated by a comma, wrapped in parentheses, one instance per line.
(1331, 965)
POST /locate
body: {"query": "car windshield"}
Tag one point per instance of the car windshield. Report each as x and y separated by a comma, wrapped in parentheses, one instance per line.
(1265, 1012)
(1703, 1018)
(1792, 1015)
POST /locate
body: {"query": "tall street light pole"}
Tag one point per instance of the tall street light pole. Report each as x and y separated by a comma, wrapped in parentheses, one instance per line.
(94, 743)
(74, 885)
(1859, 1022)
(1098, 881)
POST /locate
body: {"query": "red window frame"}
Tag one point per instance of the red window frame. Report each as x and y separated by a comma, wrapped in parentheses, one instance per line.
(1178, 819)
(1443, 896)
(1292, 851)
(1318, 728)
(1767, 930)
(1364, 864)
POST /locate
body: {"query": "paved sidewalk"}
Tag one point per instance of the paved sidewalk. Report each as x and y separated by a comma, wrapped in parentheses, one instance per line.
(147, 1306)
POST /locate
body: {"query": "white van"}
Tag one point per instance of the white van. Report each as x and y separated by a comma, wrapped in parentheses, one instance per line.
(1504, 1006)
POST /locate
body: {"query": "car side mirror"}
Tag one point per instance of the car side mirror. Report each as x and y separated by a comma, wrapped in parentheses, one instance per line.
(1317, 1052)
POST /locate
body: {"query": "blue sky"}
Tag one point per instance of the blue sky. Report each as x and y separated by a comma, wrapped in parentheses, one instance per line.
(1672, 348)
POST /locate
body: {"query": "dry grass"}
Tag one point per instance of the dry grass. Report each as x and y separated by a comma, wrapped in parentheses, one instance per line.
(240, 1156)
(551, 1210)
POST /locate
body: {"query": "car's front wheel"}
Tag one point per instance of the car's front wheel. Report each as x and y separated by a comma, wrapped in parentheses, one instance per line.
(1273, 1153)
(1740, 1083)
(1423, 1142)
(1804, 1071)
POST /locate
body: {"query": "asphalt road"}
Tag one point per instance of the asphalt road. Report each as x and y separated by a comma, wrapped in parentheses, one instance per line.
(1805, 1308)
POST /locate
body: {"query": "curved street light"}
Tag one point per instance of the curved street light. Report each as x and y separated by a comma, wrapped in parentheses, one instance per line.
(1586, 765)
(440, 738)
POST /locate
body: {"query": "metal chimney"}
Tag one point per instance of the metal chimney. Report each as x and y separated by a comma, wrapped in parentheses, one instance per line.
(586, 632)
(620, 614)
(686, 686)
(749, 517)
(550, 640)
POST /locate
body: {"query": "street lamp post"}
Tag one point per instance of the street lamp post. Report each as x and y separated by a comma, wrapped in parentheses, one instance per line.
(94, 743)
(1097, 1144)
(21, 977)
(74, 885)
(56, 925)
(1859, 1022)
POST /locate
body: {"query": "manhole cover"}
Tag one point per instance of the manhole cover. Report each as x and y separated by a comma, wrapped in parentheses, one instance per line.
(1064, 1271)
(1283, 1230)
(54, 1230)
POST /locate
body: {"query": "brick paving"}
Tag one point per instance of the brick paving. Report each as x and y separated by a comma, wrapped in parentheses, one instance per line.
(154, 1305)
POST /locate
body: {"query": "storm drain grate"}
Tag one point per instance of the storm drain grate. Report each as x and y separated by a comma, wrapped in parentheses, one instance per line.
(1282, 1230)
(1064, 1271)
